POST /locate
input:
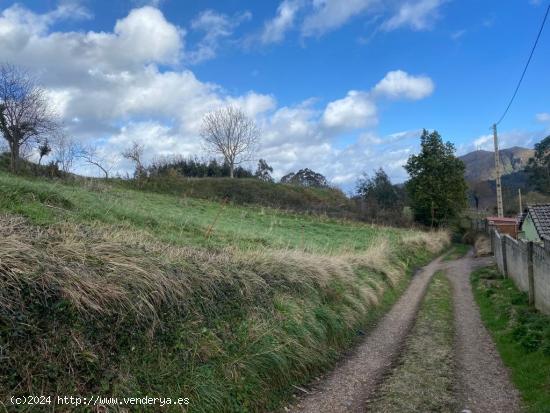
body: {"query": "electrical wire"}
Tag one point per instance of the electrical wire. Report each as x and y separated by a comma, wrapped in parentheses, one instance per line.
(526, 66)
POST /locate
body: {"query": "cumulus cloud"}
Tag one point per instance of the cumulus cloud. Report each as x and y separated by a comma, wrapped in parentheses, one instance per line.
(356, 110)
(543, 117)
(399, 84)
(113, 87)
(141, 37)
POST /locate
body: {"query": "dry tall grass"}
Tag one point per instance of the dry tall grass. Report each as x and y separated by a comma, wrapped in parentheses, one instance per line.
(289, 310)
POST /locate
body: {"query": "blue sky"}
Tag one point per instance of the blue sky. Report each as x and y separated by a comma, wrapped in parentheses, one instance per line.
(341, 87)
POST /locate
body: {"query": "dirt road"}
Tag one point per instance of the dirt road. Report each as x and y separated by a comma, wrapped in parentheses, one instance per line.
(483, 383)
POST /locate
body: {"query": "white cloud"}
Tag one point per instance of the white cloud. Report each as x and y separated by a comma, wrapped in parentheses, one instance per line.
(506, 139)
(543, 117)
(399, 84)
(112, 87)
(417, 15)
(322, 16)
(148, 36)
(356, 110)
(330, 14)
(275, 29)
(141, 37)
(458, 34)
(216, 27)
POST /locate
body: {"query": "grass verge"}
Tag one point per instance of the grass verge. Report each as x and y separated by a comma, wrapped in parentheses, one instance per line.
(116, 312)
(521, 333)
(424, 379)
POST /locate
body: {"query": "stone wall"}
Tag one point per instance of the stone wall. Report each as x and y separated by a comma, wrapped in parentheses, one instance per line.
(517, 262)
(530, 270)
(541, 276)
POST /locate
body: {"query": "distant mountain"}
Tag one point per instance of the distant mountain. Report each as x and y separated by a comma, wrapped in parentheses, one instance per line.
(480, 165)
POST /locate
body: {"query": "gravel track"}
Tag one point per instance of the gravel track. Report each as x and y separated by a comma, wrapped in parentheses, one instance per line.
(484, 384)
(348, 387)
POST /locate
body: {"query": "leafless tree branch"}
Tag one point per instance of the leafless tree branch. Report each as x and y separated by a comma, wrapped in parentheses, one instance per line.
(135, 154)
(230, 133)
(91, 155)
(25, 112)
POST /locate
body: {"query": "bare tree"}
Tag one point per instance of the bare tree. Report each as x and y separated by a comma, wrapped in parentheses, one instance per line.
(66, 150)
(92, 156)
(135, 154)
(25, 113)
(230, 133)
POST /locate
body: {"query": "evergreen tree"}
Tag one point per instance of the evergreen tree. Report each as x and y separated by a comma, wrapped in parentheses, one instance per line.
(263, 173)
(437, 188)
(305, 177)
(379, 190)
(538, 167)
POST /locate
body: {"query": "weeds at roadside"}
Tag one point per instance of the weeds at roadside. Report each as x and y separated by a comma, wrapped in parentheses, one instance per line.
(522, 335)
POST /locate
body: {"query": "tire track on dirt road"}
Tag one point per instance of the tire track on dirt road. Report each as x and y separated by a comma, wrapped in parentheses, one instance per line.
(348, 387)
(484, 383)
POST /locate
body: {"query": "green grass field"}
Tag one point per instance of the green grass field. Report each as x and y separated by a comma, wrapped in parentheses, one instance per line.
(119, 292)
(521, 333)
(182, 220)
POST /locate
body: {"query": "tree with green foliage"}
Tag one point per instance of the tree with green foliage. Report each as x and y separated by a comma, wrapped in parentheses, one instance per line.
(378, 190)
(538, 167)
(305, 177)
(437, 188)
(264, 171)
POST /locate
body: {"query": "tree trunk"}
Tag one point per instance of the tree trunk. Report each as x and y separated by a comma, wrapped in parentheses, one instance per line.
(231, 168)
(14, 159)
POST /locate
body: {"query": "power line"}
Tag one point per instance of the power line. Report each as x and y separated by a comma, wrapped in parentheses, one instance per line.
(526, 66)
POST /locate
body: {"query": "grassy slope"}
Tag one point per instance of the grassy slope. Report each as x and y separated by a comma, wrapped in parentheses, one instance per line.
(424, 379)
(112, 291)
(252, 192)
(522, 335)
(181, 220)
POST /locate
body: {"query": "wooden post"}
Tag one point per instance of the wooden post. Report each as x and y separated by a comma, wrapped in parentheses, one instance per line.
(530, 273)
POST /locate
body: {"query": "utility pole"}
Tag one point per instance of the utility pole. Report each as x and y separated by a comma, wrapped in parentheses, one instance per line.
(500, 208)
